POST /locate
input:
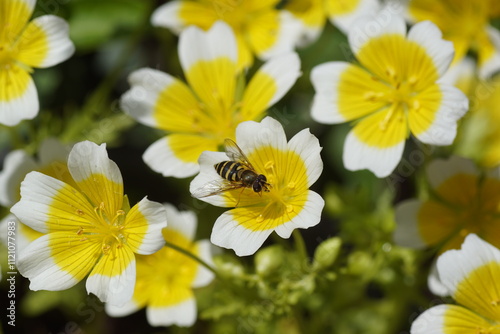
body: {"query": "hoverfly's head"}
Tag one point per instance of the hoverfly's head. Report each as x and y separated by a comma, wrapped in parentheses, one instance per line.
(261, 184)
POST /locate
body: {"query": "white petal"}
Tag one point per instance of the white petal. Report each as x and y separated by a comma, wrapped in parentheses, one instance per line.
(309, 216)
(203, 275)
(251, 135)
(167, 16)
(287, 36)
(454, 266)
(440, 170)
(431, 321)
(87, 158)
(492, 65)
(156, 217)
(428, 35)
(115, 290)
(368, 27)
(184, 222)
(197, 45)
(16, 165)
(381, 162)
(207, 175)
(36, 263)
(345, 21)
(160, 158)
(434, 282)
(407, 233)
(37, 193)
(182, 314)
(140, 100)
(23, 107)
(60, 46)
(121, 311)
(285, 70)
(444, 128)
(307, 146)
(325, 79)
(228, 233)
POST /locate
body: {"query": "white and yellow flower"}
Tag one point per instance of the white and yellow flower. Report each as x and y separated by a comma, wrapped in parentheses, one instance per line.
(200, 116)
(88, 228)
(165, 279)
(462, 201)
(312, 15)
(396, 90)
(260, 29)
(290, 168)
(471, 274)
(41, 43)
(467, 25)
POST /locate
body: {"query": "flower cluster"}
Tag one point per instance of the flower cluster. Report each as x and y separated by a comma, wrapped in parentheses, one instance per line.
(223, 117)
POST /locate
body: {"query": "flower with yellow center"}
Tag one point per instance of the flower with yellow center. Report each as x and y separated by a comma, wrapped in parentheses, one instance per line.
(471, 274)
(482, 126)
(165, 279)
(260, 29)
(200, 116)
(41, 43)
(89, 228)
(467, 25)
(462, 201)
(51, 160)
(312, 14)
(290, 169)
(396, 91)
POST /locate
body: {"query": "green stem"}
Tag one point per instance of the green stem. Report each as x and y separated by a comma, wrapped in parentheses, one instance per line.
(191, 255)
(300, 246)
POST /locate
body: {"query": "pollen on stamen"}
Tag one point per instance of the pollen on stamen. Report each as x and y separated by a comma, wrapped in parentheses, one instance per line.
(79, 212)
(495, 302)
(259, 219)
(289, 208)
(269, 165)
(291, 185)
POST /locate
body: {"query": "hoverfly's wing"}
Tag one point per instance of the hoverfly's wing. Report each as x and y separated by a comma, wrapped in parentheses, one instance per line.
(215, 187)
(235, 154)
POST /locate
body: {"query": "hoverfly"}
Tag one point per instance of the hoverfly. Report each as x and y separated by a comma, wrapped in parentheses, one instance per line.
(236, 173)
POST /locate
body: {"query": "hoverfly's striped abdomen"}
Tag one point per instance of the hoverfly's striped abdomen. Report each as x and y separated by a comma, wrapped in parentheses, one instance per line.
(229, 170)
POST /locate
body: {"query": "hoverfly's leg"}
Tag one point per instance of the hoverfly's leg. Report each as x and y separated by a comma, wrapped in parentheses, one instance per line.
(241, 192)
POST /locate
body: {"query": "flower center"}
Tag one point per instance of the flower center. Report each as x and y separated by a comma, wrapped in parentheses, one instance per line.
(108, 231)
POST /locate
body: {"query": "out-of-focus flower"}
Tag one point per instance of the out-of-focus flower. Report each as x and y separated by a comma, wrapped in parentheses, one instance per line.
(88, 228)
(290, 169)
(471, 275)
(481, 127)
(41, 43)
(312, 15)
(165, 279)
(462, 201)
(259, 27)
(467, 25)
(200, 116)
(395, 92)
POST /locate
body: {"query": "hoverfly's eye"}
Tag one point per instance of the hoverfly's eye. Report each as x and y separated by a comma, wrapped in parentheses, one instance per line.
(257, 187)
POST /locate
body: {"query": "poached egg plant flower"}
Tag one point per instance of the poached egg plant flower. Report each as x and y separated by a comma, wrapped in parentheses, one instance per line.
(165, 279)
(394, 91)
(471, 275)
(260, 28)
(199, 117)
(41, 43)
(89, 228)
(290, 169)
(462, 201)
